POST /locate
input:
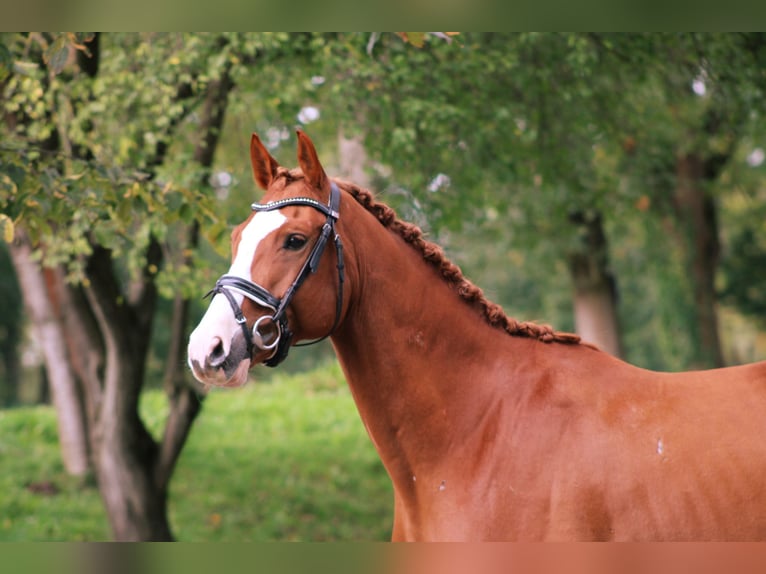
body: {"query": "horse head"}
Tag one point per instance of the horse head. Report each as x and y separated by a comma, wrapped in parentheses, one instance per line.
(279, 288)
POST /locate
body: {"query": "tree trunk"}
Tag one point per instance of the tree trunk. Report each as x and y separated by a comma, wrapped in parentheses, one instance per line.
(85, 346)
(696, 217)
(125, 453)
(51, 337)
(595, 290)
(352, 159)
(185, 400)
(134, 471)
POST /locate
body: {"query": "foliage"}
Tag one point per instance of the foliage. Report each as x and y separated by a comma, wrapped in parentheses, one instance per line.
(528, 127)
(115, 179)
(531, 128)
(288, 460)
(506, 134)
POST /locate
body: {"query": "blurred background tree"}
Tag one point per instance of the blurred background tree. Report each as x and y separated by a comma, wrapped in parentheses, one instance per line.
(612, 184)
(566, 141)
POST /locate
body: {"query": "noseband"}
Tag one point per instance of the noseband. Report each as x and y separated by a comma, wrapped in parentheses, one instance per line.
(278, 307)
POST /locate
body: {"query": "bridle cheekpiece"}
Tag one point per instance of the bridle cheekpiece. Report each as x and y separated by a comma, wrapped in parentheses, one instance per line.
(278, 306)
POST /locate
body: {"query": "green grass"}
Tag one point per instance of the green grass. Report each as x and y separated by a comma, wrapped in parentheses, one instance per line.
(284, 460)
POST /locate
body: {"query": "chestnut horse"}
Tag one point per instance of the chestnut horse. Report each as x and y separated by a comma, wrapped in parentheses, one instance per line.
(489, 429)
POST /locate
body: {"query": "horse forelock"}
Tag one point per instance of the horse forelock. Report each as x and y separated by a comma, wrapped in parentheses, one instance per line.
(284, 177)
(451, 273)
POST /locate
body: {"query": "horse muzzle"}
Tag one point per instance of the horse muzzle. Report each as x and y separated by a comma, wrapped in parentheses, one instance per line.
(215, 364)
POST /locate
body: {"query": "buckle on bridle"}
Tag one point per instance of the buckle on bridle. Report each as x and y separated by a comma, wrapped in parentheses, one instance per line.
(258, 338)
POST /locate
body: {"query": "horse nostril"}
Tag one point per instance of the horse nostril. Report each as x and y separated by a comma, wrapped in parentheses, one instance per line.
(217, 353)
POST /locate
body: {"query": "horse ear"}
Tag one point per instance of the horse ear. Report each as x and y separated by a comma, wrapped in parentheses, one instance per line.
(309, 162)
(264, 166)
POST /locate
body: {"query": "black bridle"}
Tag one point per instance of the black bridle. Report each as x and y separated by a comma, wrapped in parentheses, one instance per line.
(278, 307)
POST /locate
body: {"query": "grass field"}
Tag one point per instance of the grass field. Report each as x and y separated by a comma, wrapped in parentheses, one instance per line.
(283, 460)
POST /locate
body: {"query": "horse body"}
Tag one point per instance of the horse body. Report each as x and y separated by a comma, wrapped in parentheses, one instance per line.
(490, 436)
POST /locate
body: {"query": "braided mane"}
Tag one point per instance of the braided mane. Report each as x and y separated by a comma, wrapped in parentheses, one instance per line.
(434, 255)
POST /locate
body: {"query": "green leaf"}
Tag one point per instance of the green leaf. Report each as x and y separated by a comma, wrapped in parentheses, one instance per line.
(57, 54)
(8, 228)
(417, 39)
(8, 185)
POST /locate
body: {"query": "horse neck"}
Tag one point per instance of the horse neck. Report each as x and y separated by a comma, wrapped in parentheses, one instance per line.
(414, 353)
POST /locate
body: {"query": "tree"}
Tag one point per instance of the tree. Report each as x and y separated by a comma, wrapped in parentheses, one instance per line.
(104, 226)
(705, 90)
(506, 124)
(108, 148)
(569, 129)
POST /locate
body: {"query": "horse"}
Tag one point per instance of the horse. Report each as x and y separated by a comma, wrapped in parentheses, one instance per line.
(489, 428)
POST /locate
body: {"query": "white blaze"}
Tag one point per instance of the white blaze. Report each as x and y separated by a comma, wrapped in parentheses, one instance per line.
(218, 321)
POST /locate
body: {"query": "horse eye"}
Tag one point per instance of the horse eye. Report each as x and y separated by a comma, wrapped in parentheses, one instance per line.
(295, 242)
